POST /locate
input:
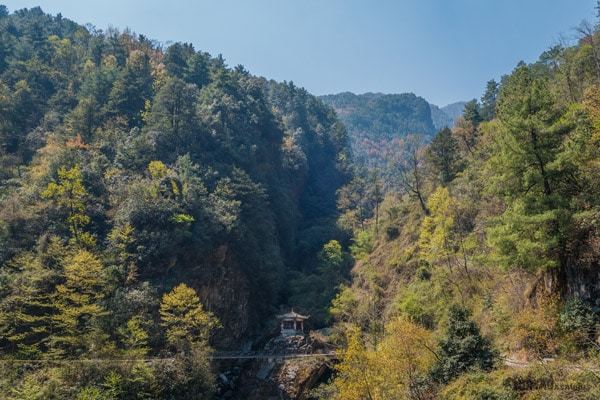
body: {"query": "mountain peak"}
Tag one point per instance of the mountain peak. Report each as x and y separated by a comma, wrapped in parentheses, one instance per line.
(375, 119)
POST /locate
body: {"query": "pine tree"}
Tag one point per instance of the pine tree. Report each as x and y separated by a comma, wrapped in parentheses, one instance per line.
(472, 112)
(197, 71)
(462, 348)
(523, 172)
(78, 301)
(488, 101)
(443, 154)
(174, 115)
(70, 194)
(26, 308)
(467, 127)
(184, 319)
(84, 118)
(134, 337)
(132, 89)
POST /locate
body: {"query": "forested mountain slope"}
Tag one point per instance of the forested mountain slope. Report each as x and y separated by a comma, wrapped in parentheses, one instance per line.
(156, 204)
(374, 120)
(439, 118)
(484, 259)
(150, 198)
(454, 110)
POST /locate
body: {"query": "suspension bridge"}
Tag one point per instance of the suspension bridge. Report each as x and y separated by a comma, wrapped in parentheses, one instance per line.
(218, 355)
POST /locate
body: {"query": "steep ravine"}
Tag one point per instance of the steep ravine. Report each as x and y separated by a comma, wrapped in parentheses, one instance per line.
(276, 373)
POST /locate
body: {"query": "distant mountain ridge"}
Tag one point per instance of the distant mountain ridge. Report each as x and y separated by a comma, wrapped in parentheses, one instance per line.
(373, 120)
(383, 114)
(446, 116)
(454, 110)
(439, 117)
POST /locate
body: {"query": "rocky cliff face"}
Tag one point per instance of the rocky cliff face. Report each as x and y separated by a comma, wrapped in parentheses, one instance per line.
(224, 289)
(276, 375)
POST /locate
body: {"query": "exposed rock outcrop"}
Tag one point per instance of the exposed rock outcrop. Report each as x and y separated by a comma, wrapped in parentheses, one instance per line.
(275, 375)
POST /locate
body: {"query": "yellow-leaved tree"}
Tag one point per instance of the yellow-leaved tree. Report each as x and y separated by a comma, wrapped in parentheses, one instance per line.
(187, 329)
(70, 194)
(404, 358)
(355, 373)
(436, 239)
(184, 318)
(441, 238)
(392, 369)
(78, 302)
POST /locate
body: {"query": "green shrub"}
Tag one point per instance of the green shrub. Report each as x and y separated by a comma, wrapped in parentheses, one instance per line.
(392, 232)
(423, 273)
(462, 348)
(578, 322)
(363, 245)
(477, 386)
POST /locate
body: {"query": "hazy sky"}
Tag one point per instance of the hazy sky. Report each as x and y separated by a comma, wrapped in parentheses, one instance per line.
(443, 50)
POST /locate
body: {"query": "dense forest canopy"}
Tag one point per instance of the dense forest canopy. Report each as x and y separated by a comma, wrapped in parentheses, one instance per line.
(151, 197)
(477, 273)
(157, 204)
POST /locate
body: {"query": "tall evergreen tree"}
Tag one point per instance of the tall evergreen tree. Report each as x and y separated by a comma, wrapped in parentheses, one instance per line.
(174, 116)
(132, 89)
(26, 306)
(488, 101)
(198, 69)
(76, 326)
(444, 156)
(184, 318)
(472, 112)
(530, 232)
(70, 194)
(462, 348)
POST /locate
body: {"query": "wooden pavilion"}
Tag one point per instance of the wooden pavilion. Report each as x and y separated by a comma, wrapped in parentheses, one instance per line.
(292, 323)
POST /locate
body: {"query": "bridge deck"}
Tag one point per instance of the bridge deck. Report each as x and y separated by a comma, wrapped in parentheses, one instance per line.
(257, 355)
(224, 355)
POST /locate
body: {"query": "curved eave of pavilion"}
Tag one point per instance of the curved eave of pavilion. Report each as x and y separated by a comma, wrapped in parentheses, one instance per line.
(293, 315)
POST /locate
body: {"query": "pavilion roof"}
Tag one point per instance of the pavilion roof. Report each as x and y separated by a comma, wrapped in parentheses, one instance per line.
(292, 315)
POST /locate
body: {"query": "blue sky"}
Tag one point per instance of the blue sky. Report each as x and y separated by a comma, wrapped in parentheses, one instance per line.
(443, 50)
